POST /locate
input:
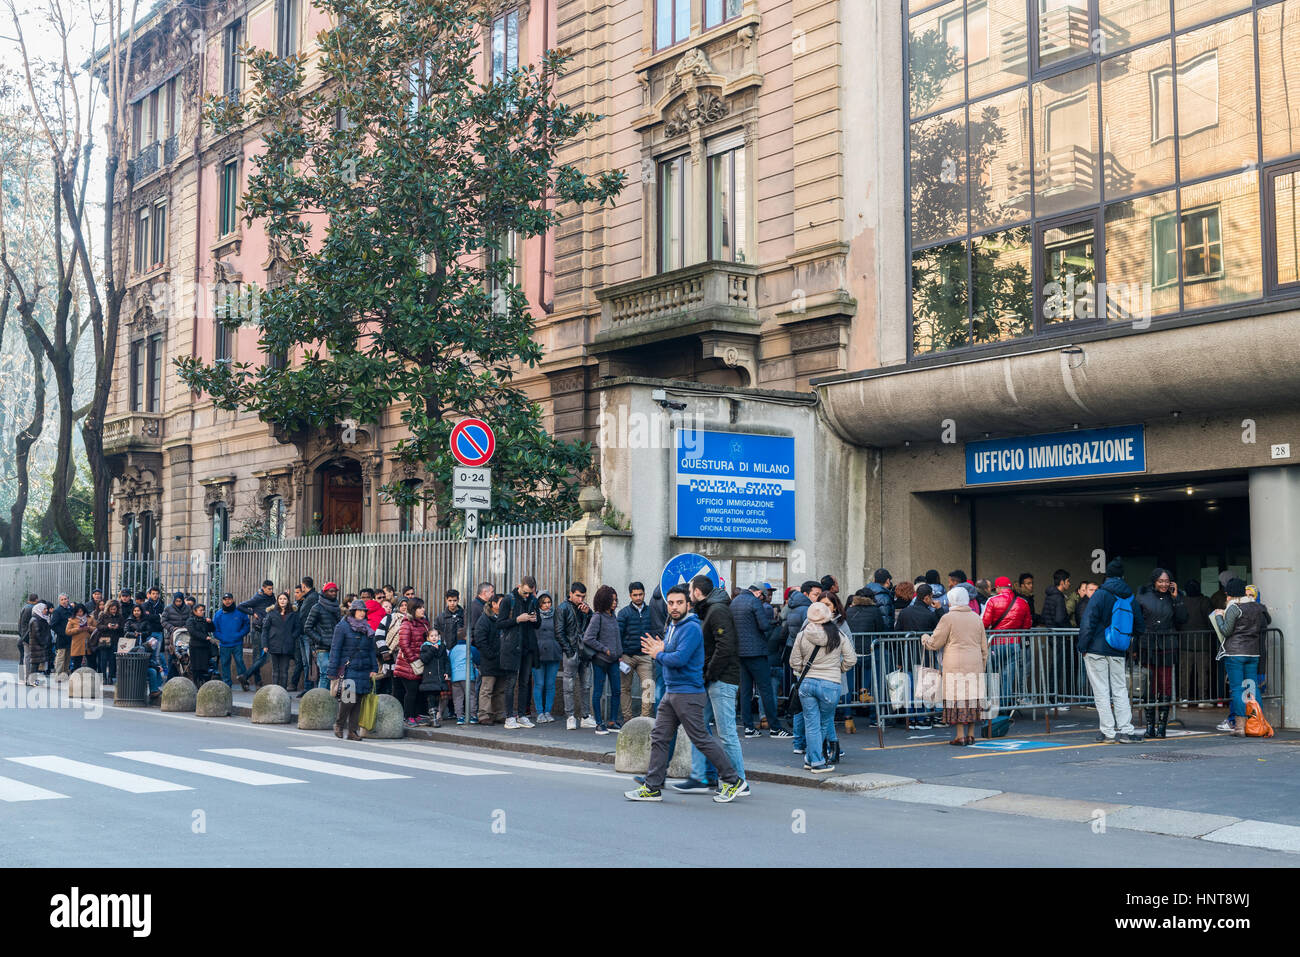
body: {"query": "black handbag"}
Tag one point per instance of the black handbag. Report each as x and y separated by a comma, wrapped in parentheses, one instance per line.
(793, 705)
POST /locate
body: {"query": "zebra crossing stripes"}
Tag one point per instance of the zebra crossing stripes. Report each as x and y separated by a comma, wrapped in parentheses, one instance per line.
(499, 759)
(212, 769)
(398, 760)
(97, 774)
(307, 764)
(11, 790)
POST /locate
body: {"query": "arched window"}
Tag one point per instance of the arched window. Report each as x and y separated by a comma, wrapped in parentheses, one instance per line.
(275, 516)
(132, 535)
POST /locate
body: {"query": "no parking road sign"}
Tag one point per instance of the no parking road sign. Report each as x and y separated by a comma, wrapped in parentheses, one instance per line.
(473, 442)
(682, 568)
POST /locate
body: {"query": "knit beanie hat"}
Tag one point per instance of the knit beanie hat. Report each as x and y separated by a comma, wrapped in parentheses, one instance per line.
(818, 613)
(1235, 588)
(1115, 568)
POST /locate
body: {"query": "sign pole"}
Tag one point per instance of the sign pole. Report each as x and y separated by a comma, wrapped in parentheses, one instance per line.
(469, 598)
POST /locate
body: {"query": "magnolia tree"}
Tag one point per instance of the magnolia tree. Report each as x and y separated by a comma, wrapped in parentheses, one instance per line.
(402, 291)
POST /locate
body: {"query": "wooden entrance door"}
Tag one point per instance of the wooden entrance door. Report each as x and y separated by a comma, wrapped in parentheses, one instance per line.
(341, 501)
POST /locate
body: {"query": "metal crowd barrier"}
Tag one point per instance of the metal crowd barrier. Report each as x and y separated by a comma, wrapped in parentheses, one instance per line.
(1040, 670)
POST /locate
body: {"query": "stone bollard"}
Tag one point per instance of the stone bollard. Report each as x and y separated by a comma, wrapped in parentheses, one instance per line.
(85, 683)
(271, 706)
(317, 710)
(632, 752)
(179, 694)
(390, 722)
(214, 700)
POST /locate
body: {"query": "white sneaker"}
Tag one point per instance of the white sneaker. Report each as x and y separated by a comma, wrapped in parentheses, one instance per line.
(524, 722)
(511, 723)
(1225, 725)
(571, 723)
(588, 722)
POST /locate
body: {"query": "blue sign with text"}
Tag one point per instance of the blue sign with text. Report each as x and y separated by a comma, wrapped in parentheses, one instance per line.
(734, 485)
(1079, 453)
(682, 568)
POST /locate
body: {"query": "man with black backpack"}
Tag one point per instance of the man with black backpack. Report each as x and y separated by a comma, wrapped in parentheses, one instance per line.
(1112, 619)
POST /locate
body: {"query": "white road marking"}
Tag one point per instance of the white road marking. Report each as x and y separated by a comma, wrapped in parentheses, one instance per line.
(11, 790)
(213, 769)
(307, 764)
(500, 759)
(373, 754)
(109, 777)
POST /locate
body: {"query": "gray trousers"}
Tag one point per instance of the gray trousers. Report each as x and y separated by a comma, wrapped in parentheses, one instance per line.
(576, 669)
(686, 710)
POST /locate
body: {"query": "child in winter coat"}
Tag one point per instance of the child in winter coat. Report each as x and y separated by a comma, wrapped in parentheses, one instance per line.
(456, 658)
(435, 682)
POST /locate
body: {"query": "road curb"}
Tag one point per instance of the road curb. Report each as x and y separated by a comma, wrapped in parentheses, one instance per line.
(848, 783)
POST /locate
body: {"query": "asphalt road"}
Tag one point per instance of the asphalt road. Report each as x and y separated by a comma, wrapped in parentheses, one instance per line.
(141, 788)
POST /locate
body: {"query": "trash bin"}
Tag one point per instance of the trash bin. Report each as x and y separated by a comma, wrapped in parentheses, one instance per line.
(132, 689)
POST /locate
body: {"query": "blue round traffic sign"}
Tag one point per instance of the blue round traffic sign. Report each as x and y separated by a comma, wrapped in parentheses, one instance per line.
(682, 568)
(473, 442)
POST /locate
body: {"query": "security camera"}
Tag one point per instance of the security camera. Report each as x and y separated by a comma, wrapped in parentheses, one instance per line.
(660, 397)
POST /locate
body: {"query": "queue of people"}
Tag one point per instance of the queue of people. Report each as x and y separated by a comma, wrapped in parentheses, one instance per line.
(612, 663)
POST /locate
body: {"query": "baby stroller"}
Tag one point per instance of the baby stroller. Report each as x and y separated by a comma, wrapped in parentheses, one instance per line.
(181, 649)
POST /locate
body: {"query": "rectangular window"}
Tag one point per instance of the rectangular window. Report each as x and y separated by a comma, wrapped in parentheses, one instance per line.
(1198, 97)
(221, 350)
(507, 249)
(137, 126)
(505, 45)
(672, 22)
(142, 240)
(153, 394)
(227, 212)
(138, 357)
(672, 213)
(151, 119)
(231, 37)
(286, 28)
(727, 199)
(1064, 30)
(170, 126)
(1282, 194)
(720, 11)
(1202, 247)
(1069, 270)
(159, 240)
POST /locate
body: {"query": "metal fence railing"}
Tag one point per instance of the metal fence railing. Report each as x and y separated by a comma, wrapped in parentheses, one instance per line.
(1040, 670)
(78, 574)
(432, 562)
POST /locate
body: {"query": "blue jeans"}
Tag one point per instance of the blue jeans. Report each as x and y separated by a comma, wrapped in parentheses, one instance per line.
(154, 676)
(231, 656)
(544, 686)
(601, 673)
(256, 667)
(1005, 660)
(660, 689)
(720, 710)
(1240, 670)
(756, 673)
(323, 663)
(818, 698)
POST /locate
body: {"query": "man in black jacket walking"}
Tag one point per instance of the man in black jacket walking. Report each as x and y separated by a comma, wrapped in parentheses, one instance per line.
(571, 620)
(721, 682)
(255, 608)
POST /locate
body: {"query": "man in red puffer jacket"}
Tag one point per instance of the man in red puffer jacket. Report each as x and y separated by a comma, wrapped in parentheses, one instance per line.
(1005, 615)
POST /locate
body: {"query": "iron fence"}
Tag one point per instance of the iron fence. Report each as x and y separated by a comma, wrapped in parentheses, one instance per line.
(78, 574)
(432, 562)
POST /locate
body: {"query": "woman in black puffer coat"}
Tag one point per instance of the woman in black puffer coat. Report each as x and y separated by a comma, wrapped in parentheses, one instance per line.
(281, 632)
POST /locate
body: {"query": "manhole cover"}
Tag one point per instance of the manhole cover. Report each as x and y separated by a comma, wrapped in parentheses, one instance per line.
(1170, 757)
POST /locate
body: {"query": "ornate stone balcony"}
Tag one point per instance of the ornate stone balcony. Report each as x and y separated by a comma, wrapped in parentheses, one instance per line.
(714, 301)
(133, 432)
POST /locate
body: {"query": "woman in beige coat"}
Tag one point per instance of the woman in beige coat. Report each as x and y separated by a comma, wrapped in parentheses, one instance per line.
(960, 635)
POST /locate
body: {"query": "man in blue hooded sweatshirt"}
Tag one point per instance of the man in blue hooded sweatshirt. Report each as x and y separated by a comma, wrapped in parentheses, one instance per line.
(1105, 663)
(681, 656)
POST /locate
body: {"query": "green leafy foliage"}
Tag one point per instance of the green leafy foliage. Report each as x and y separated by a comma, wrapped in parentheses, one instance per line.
(387, 191)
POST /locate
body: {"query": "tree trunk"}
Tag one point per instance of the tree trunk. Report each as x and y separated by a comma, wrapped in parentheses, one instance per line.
(11, 532)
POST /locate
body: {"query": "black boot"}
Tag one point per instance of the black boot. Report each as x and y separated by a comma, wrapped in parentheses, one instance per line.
(1151, 722)
(1162, 722)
